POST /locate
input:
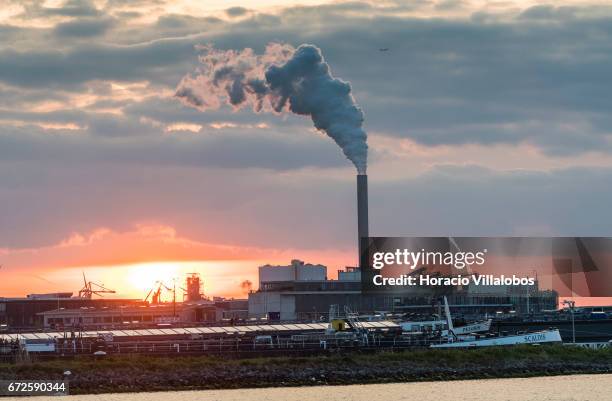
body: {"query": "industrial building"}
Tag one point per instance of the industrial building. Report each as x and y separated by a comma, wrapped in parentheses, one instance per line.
(126, 316)
(302, 292)
(24, 313)
(63, 311)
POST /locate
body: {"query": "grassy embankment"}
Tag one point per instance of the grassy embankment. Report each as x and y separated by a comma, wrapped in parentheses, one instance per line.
(148, 373)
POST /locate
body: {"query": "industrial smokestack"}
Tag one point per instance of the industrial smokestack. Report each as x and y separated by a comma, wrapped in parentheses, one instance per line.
(280, 80)
(362, 216)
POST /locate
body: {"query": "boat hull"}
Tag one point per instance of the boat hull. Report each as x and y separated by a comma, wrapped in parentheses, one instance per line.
(540, 337)
(586, 330)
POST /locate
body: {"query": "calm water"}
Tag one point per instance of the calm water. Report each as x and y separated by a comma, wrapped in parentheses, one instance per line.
(565, 388)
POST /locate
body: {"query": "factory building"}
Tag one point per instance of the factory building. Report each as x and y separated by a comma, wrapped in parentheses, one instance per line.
(302, 292)
(63, 311)
(297, 271)
(523, 299)
(106, 318)
(135, 316)
(232, 309)
(24, 313)
(128, 316)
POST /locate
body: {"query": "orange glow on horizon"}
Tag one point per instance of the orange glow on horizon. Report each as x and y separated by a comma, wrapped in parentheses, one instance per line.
(131, 262)
(219, 278)
(143, 277)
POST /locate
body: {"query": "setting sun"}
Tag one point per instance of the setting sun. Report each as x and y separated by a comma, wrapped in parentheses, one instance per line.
(143, 277)
(136, 280)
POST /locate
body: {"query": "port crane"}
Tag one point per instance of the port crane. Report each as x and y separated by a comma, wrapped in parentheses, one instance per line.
(90, 289)
(156, 292)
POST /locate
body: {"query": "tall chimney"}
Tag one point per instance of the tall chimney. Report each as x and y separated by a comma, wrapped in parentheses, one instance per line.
(362, 214)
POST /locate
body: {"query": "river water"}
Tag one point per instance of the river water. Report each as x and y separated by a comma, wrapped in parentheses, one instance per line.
(557, 388)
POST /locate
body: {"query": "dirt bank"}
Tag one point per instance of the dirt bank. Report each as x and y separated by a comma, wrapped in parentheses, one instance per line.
(117, 374)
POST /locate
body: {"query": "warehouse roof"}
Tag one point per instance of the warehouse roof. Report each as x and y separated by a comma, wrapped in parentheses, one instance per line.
(199, 330)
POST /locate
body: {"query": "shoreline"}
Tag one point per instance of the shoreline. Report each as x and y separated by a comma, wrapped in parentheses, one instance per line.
(153, 374)
(558, 388)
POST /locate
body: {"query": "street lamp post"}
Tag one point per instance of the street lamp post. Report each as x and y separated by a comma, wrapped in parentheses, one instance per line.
(571, 305)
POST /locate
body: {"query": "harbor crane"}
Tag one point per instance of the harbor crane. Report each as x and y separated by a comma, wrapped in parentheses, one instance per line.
(90, 289)
(156, 292)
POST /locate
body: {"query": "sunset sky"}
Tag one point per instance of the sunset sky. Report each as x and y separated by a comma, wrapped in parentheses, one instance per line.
(484, 119)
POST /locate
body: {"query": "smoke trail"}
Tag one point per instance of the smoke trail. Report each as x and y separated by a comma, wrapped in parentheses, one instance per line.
(282, 79)
(246, 286)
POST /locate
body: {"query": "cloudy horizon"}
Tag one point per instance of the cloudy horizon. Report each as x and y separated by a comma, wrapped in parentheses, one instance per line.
(483, 119)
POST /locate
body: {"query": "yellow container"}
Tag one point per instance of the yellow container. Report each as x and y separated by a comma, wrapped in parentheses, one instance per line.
(338, 324)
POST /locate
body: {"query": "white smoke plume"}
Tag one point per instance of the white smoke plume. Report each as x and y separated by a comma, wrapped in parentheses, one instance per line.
(282, 79)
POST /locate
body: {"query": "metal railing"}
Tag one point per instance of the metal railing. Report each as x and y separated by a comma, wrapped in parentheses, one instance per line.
(236, 348)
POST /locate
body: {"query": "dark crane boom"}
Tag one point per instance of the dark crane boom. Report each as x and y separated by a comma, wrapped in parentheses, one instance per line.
(90, 289)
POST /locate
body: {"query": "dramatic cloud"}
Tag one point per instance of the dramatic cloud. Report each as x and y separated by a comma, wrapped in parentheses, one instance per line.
(84, 28)
(236, 11)
(536, 76)
(481, 120)
(177, 146)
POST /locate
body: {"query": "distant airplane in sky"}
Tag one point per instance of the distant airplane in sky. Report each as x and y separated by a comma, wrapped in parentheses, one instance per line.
(383, 49)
